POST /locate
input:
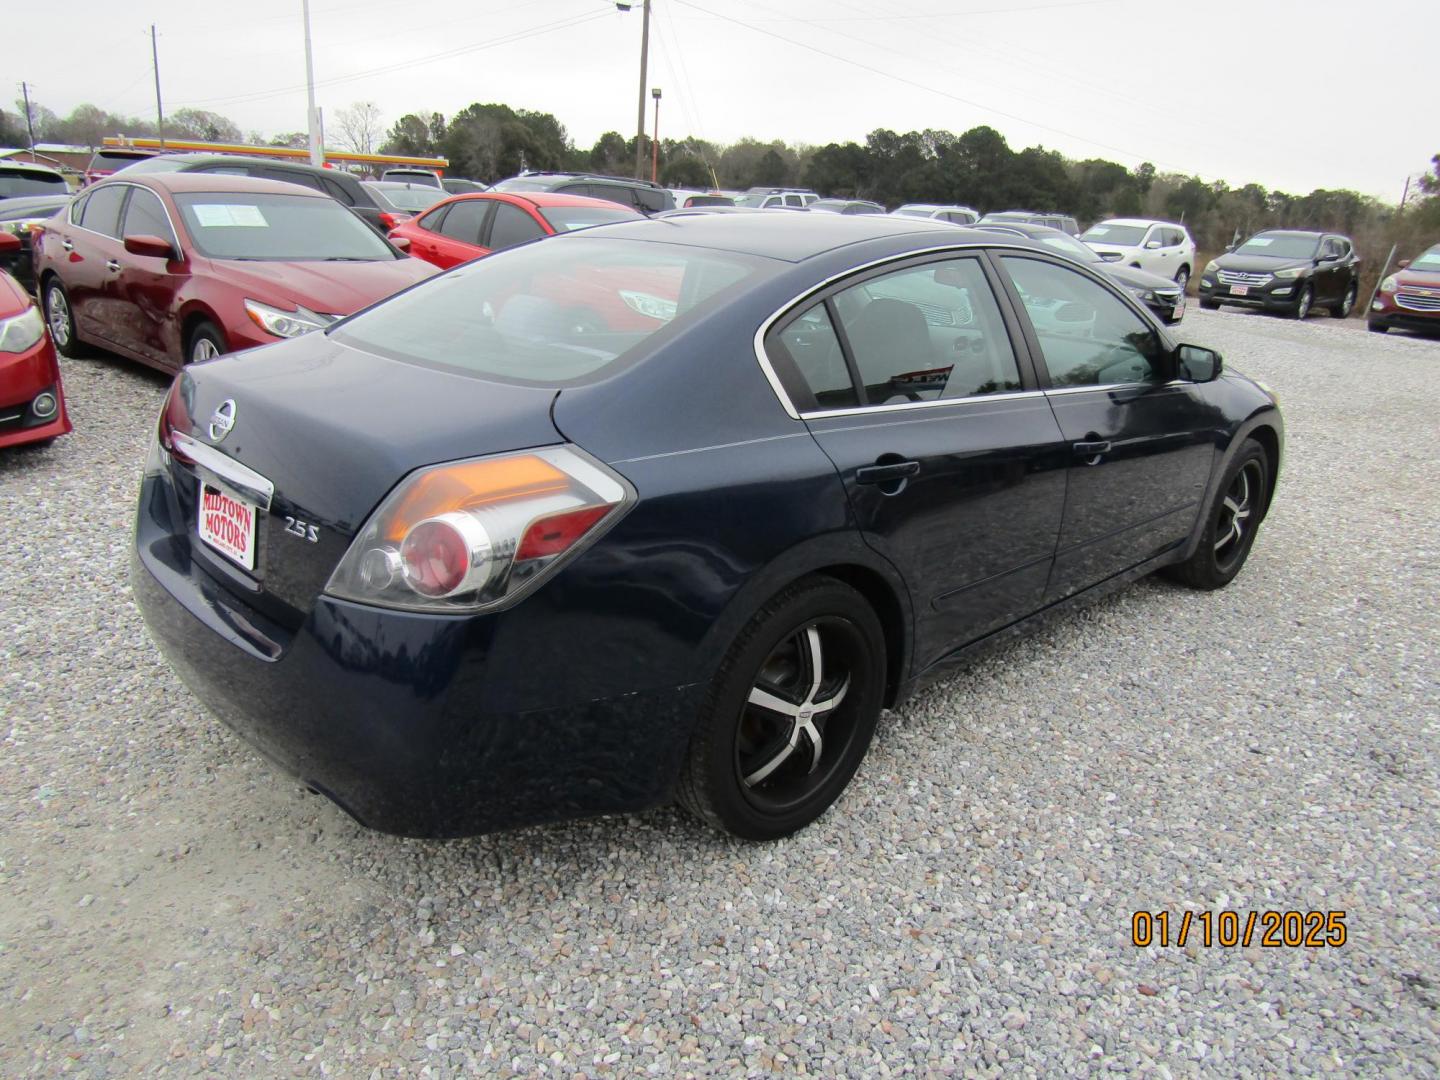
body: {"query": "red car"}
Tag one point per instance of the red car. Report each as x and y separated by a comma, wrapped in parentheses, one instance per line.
(1409, 299)
(32, 406)
(465, 227)
(169, 268)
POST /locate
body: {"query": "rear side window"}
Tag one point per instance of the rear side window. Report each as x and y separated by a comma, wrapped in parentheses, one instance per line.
(102, 210)
(466, 220)
(288, 177)
(812, 349)
(338, 191)
(512, 226)
(553, 314)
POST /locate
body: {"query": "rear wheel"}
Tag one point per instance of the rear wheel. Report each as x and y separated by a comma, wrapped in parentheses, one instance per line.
(206, 343)
(1231, 523)
(1302, 306)
(61, 320)
(1182, 278)
(790, 714)
(1346, 305)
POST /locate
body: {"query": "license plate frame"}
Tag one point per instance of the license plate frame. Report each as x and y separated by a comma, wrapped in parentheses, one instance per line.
(227, 523)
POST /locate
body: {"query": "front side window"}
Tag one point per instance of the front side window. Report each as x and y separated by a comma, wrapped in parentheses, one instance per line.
(512, 226)
(1087, 335)
(145, 216)
(552, 314)
(465, 220)
(277, 228)
(102, 210)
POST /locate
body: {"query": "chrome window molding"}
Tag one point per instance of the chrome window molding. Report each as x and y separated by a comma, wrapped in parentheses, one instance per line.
(174, 235)
(910, 406)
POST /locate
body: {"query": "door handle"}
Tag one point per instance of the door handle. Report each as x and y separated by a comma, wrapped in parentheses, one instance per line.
(67, 245)
(884, 474)
(113, 266)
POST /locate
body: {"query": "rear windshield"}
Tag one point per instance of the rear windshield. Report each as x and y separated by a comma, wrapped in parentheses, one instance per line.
(708, 200)
(412, 198)
(159, 163)
(104, 160)
(278, 228)
(568, 218)
(25, 182)
(523, 185)
(1281, 246)
(31, 208)
(551, 314)
(915, 211)
(1119, 235)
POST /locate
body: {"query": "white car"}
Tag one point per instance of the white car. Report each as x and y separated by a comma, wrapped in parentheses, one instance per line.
(1157, 247)
(955, 215)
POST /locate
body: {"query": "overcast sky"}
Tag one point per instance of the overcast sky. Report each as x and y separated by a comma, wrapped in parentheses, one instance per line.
(1293, 94)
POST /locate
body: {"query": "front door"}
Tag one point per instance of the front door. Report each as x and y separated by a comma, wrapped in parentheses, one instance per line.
(1142, 443)
(952, 461)
(148, 285)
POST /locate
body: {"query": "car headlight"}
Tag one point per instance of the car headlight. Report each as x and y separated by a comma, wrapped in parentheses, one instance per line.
(654, 307)
(1211, 267)
(286, 324)
(1143, 295)
(1293, 273)
(1389, 284)
(22, 332)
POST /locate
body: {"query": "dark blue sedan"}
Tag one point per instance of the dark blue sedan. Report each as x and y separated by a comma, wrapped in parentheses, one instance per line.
(671, 510)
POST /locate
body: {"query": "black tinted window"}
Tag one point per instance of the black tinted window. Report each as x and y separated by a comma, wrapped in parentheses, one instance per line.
(1088, 336)
(465, 220)
(288, 176)
(338, 191)
(102, 210)
(811, 347)
(25, 182)
(512, 226)
(927, 332)
(145, 216)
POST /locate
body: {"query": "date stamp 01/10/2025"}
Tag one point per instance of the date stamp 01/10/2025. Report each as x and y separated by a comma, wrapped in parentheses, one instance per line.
(1228, 929)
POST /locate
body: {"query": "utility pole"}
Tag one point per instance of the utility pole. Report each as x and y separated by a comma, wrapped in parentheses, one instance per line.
(1404, 195)
(640, 113)
(655, 142)
(29, 123)
(317, 152)
(159, 109)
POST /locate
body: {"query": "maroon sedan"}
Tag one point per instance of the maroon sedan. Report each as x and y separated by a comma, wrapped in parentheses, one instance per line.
(169, 268)
(32, 407)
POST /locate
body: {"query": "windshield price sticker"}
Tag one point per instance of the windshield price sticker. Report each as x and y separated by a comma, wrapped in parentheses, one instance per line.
(229, 216)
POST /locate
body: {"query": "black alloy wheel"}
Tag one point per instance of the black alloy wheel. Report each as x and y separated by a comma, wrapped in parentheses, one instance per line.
(1231, 523)
(790, 714)
(1346, 305)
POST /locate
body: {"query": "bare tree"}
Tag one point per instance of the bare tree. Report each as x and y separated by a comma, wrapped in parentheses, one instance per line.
(360, 127)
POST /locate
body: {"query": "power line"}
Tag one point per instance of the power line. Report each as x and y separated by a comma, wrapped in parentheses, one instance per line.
(919, 85)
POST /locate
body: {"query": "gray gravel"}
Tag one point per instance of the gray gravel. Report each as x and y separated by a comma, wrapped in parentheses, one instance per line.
(169, 905)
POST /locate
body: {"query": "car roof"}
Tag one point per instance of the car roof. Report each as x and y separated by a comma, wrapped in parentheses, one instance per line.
(176, 182)
(534, 198)
(1139, 221)
(28, 166)
(1025, 228)
(396, 185)
(1293, 232)
(789, 237)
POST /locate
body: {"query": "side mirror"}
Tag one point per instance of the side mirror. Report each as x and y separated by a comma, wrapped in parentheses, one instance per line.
(1152, 245)
(1197, 364)
(401, 242)
(9, 243)
(150, 246)
(1229, 248)
(1402, 264)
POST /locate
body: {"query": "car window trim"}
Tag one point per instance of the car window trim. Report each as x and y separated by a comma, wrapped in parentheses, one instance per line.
(1032, 339)
(999, 286)
(125, 205)
(125, 209)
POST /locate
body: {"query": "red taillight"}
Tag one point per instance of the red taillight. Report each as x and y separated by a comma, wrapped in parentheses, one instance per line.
(552, 535)
(434, 558)
(174, 417)
(390, 220)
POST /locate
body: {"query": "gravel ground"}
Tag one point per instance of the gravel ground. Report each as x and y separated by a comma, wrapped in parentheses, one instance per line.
(172, 906)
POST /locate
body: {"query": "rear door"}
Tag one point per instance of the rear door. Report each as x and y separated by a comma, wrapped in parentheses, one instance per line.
(1141, 443)
(509, 226)
(93, 265)
(460, 235)
(952, 461)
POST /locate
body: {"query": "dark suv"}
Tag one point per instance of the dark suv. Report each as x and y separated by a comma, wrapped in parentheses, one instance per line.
(1285, 270)
(641, 195)
(340, 186)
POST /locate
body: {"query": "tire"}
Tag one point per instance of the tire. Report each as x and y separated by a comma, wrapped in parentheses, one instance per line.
(1225, 545)
(1182, 278)
(206, 342)
(60, 318)
(1346, 305)
(746, 770)
(1302, 306)
(1377, 328)
(1209, 305)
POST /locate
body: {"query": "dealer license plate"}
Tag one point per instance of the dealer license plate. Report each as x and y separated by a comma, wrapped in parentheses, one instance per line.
(1179, 308)
(1239, 290)
(227, 524)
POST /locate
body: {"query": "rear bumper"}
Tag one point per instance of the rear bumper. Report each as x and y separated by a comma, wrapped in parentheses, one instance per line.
(411, 723)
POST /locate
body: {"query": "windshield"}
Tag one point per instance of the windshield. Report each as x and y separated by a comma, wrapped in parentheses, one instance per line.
(915, 211)
(568, 218)
(1281, 246)
(552, 313)
(1068, 245)
(25, 182)
(518, 184)
(1117, 235)
(277, 228)
(750, 200)
(410, 198)
(1430, 260)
